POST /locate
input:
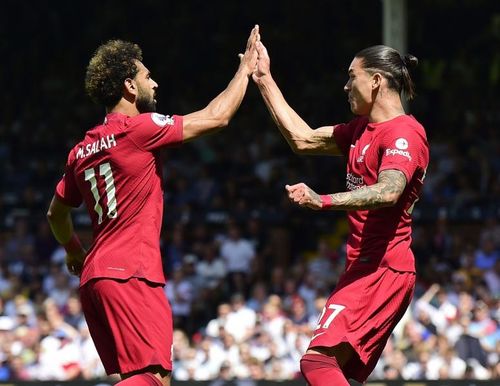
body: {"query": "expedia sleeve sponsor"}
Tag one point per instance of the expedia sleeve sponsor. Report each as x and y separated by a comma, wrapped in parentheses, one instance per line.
(393, 152)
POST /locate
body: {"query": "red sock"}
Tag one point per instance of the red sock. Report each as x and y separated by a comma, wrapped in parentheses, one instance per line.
(322, 370)
(144, 379)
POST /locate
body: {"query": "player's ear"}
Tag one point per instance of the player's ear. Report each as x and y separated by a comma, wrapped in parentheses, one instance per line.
(130, 86)
(376, 80)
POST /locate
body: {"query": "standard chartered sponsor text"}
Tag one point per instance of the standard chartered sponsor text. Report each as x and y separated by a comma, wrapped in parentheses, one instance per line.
(354, 182)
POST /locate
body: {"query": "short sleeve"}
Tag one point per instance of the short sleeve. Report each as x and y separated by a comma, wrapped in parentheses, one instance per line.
(151, 131)
(67, 189)
(343, 133)
(404, 149)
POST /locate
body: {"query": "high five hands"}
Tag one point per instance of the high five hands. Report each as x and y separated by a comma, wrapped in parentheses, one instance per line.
(263, 67)
(248, 60)
(255, 61)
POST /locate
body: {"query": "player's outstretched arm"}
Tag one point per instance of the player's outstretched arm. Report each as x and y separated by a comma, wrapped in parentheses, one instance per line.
(221, 109)
(299, 135)
(59, 217)
(386, 192)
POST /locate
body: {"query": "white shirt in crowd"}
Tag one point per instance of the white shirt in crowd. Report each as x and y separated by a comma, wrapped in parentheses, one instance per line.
(238, 254)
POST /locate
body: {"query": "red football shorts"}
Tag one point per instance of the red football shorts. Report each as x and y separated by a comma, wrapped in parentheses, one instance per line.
(130, 322)
(363, 310)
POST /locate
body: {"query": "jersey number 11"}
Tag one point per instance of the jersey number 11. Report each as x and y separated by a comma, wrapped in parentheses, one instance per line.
(106, 172)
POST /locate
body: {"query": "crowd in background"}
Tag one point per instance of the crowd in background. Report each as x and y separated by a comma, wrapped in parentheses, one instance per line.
(248, 273)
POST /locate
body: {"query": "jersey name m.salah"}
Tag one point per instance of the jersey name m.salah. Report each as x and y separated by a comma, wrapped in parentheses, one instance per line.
(382, 237)
(116, 170)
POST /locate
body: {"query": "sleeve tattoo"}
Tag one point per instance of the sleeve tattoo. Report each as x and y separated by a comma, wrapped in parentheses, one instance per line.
(386, 192)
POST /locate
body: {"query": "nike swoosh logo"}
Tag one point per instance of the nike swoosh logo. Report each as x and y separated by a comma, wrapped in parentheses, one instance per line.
(315, 336)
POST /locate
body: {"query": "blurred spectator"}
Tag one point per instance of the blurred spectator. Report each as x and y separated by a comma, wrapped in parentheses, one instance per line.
(492, 279)
(175, 250)
(59, 357)
(258, 297)
(484, 327)
(214, 326)
(277, 281)
(469, 346)
(487, 255)
(21, 241)
(490, 231)
(238, 254)
(180, 293)
(241, 320)
(321, 266)
(308, 292)
(446, 366)
(273, 322)
(190, 274)
(438, 315)
(73, 314)
(90, 363)
(211, 269)
(468, 275)
(45, 243)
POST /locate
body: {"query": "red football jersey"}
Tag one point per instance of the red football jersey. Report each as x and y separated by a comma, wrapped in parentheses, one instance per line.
(116, 170)
(382, 237)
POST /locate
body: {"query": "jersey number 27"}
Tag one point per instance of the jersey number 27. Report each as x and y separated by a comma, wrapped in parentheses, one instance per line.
(332, 311)
(106, 173)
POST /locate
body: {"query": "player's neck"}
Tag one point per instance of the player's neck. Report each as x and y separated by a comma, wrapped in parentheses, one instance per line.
(386, 110)
(125, 107)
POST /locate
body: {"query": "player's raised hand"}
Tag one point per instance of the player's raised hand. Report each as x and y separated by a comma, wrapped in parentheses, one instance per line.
(304, 196)
(263, 63)
(248, 60)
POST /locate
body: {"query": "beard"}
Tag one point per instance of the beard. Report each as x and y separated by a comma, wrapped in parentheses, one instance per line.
(145, 103)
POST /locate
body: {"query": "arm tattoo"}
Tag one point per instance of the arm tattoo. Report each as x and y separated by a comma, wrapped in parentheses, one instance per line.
(386, 192)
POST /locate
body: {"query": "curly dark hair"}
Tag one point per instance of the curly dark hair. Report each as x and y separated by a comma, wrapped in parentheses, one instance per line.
(112, 63)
